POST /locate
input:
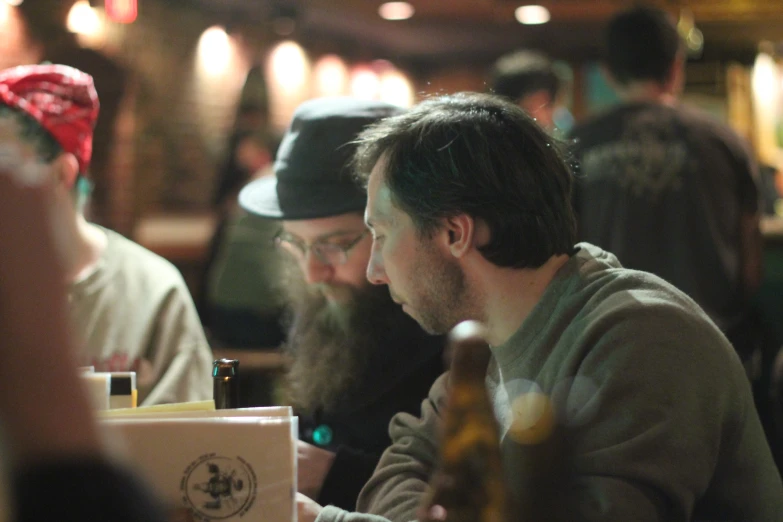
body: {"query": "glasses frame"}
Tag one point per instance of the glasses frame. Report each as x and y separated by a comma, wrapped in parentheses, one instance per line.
(300, 249)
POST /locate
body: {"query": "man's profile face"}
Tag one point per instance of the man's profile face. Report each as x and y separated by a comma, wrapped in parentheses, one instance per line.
(334, 279)
(420, 272)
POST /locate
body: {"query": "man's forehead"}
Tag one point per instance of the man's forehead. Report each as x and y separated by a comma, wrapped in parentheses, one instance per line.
(379, 203)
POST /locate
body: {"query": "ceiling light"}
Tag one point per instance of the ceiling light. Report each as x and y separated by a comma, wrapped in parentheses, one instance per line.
(290, 66)
(365, 83)
(82, 19)
(396, 10)
(532, 14)
(331, 76)
(395, 88)
(214, 50)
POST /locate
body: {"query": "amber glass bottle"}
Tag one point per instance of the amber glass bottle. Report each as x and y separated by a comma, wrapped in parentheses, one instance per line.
(468, 484)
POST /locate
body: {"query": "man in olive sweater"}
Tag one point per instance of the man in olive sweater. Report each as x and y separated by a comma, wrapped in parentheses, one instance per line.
(617, 397)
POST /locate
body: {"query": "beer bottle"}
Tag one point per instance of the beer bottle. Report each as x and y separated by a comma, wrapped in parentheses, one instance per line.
(468, 484)
(225, 383)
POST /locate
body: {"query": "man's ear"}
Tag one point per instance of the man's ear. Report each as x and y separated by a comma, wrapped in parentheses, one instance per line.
(460, 231)
(66, 169)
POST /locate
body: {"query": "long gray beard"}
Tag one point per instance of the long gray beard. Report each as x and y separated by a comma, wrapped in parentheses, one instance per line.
(331, 344)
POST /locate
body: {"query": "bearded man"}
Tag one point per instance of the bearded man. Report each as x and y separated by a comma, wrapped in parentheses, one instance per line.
(357, 358)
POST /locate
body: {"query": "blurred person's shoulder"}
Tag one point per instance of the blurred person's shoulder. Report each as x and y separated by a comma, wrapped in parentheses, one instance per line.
(711, 127)
(593, 128)
(130, 258)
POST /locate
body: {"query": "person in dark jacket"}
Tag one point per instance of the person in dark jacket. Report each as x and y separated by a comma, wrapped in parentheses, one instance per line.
(357, 358)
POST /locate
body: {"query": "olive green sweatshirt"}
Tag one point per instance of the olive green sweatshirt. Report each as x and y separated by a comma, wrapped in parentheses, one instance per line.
(652, 416)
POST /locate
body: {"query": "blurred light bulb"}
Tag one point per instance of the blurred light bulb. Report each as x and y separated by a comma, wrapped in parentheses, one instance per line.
(764, 80)
(532, 14)
(289, 65)
(214, 50)
(396, 10)
(396, 89)
(331, 76)
(82, 19)
(364, 84)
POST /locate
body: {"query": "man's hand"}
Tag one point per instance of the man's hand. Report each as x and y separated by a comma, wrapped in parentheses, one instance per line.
(307, 509)
(313, 465)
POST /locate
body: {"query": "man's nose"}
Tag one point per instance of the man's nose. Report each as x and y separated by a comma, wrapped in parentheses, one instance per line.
(376, 274)
(315, 270)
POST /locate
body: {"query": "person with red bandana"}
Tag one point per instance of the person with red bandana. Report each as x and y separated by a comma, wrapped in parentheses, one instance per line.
(54, 464)
(130, 309)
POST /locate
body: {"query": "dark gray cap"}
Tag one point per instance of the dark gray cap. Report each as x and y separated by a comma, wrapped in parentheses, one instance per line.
(312, 172)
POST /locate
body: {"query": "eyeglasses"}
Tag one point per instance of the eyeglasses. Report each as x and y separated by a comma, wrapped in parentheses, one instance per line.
(331, 254)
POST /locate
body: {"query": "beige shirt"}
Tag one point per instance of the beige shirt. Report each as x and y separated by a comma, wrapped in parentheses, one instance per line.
(134, 313)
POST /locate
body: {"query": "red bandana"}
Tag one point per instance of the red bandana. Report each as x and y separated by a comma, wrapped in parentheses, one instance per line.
(60, 98)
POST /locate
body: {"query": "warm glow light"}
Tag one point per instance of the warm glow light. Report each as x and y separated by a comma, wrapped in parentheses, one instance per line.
(396, 10)
(214, 50)
(532, 14)
(396, 89)
(365, 84)
(14, 3)
(289, 65)
(331, 76)
(5, 13)
(764, 85)
(82, 19)
(288, 72)
(764, 81)
(121, 11)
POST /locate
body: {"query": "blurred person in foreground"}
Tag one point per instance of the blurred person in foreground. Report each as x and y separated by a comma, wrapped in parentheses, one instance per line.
(666, 188)
(529, 80)
(617, 397)
(357, 359)
(55, 465)
(130, 309)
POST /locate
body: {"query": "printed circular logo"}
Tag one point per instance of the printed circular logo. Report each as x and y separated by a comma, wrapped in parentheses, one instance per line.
(216, 487)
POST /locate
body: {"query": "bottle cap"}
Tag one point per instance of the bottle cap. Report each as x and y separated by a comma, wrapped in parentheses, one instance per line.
(225, 368)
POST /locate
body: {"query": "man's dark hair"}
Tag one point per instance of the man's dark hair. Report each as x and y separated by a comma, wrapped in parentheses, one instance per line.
(521, 73)
(483, 156)
(641, 44)
(33, 133)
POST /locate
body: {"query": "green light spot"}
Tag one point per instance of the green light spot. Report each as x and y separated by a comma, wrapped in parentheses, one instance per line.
(322, 435)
